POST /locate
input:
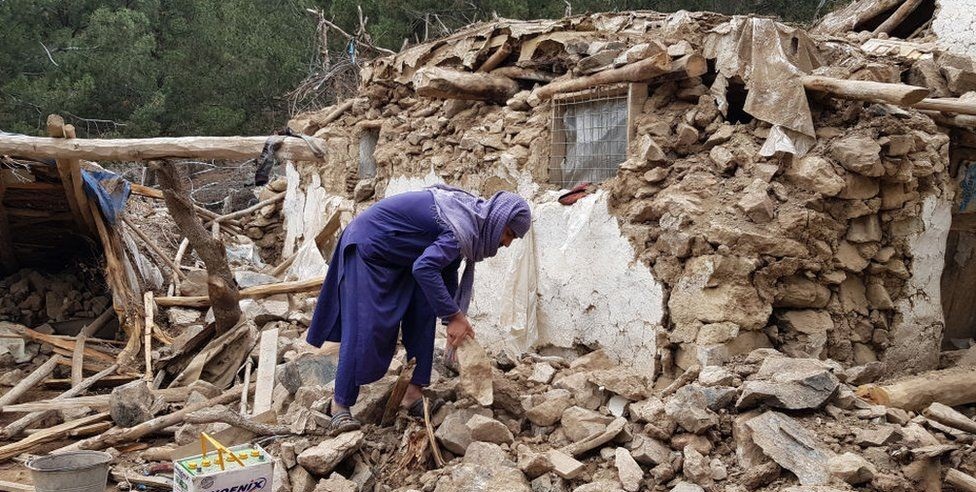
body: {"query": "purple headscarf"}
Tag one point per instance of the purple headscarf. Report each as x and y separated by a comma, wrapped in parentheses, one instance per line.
(478, 225)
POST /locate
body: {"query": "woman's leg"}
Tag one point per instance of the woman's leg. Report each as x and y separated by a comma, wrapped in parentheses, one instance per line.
(418, 338)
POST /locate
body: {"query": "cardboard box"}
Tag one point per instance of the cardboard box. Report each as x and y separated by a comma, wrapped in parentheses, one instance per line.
(190, 476)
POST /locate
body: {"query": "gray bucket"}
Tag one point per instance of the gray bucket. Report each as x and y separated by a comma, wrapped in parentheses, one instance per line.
(72, 471)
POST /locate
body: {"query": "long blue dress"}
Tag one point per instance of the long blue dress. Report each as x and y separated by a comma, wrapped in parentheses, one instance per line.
(395, 269)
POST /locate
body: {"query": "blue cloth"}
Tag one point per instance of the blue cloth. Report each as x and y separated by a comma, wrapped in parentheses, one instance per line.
(478, 225)
(110, 190)
(394, 270)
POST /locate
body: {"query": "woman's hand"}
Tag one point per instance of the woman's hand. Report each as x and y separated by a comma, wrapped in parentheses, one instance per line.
(458, 329)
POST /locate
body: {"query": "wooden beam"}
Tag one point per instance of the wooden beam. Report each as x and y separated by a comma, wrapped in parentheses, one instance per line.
(68, 345)
(866, 90)
(897, 17)
(961, 481)
(144, 149)
(151, 245)
(945, 415)
(644, 70)
(250, 292)
(446, 83)
(951, 387)
(150, 309)
(94, 401)
(267, 362)
(35, 377)
(78, 354)
(947, 105)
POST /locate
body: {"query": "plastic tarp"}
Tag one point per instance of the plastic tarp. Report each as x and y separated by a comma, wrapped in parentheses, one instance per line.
(769, 58)
(110, 190)
(596, 140)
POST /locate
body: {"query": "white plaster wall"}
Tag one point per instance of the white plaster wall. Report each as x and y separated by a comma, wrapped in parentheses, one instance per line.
(917, 329)
(955, 26)
(589, 288)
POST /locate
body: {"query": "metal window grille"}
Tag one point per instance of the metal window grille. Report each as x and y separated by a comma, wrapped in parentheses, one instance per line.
(367, 145)
(589, 138)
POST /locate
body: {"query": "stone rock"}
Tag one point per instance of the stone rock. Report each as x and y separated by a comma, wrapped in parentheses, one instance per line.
(628, 471)
(593, 361)
(475, 369)
(685, 136)
(807, 321)
(790, 383)
(849, 258)
(875, 437)
(851, 468)
(473, 476)
(181, 316)
(623, 381)
(301, 480)
(858, 153)
(11, 378)
(246, 278)
(542, 373)
(599, 486)
(760, 476)
(486, 453)
(453, 434)
(535, 464)
(649, 451)
(716, 333)
(649, 410)
(690, 410)
(307, 369)
(336, 483)
(617, 405)
(878, 297)
(791, 446)
(579, 423)
(372, 399)
(865, 229)
(800, 292)
(719, 471)
(715, 376)
(551, 409)
(585, 393)
(853, 297)
(867, 373)
(131, 403)
(363, 190)
(687, 487)
(756, 203)
(715, 289)
(650, 151)
(857, 187)
(696, 466)
(814, 173)
(320, 460)
(565, 465)
(487, 429)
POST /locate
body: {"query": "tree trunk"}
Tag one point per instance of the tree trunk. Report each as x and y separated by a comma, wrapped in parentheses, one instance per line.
(221, 286)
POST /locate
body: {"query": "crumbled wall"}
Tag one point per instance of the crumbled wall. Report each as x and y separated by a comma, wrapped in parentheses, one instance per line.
(954, 24)
(820, 255)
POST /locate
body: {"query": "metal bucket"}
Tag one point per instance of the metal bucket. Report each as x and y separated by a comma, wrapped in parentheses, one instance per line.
(73, 471)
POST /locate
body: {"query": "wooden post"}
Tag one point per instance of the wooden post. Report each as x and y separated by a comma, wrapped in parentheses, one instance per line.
(70, 172)
(948, 105)
(961, 481)
(221, 286)
(636, 95)
(897, 17)
(78, 354)
(947, 386)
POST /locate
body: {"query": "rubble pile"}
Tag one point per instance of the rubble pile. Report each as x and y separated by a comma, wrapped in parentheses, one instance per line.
(265, 227)
(33, 298)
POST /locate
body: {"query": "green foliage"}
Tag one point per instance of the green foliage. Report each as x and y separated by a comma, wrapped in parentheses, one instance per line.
(180, 67)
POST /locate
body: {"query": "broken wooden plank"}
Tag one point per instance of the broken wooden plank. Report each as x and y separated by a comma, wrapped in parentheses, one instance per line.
(951, 387)
(93, 401)
(897, 17)
(144, 149)
(150, 309)
(253, 208)
(646, 69)
(525, 74)
(53, 341)
(961, 481)
(866, 90)
(118, 435)
(267, 362)
(78, 354)
(164, 482)
(250, 292)
(396, 395)
(149, 243)
(15, 428)
(35, 377)
(945, 415)
(106, 382)
(51, 434)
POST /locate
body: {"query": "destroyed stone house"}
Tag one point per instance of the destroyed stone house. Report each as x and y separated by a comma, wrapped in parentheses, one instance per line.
(749, 184)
